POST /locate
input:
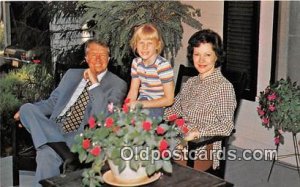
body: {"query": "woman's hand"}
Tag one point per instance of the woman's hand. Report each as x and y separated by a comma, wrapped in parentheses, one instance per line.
(192, 135)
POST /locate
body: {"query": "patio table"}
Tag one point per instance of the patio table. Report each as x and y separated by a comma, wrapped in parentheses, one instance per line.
(181, 176)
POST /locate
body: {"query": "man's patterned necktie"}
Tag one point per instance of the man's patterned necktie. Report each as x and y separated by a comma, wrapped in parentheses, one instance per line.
(72, 119)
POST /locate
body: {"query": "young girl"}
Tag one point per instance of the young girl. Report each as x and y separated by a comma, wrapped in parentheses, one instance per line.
(152, 82)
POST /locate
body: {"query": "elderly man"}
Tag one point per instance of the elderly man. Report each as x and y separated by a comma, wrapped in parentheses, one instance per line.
(80, 94)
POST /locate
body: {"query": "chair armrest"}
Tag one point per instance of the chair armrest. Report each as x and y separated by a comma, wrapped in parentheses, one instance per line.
(204, 140)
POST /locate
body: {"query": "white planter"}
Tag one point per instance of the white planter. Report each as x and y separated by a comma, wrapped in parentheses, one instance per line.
(128, 176)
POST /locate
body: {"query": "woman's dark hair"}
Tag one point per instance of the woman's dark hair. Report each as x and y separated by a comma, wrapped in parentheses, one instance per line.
(206, 36)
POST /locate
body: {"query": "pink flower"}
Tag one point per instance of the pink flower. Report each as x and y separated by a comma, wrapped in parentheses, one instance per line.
(272, 107)
(109, 122)
(260, 111)
(277, 140)
(160, 130)
(86, 143)
(110, 107)
(96, 151)
(179, 122)
(92, 122)
(147, 125)
(272, 96)
(172, 117)
(265, 120)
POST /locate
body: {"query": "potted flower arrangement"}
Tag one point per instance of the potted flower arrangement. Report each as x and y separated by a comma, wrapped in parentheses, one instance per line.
(127, 138)
(279, 107)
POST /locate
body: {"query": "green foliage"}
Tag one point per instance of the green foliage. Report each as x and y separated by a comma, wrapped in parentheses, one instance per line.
(130, 129)
(279, 107)
(114, 22)
(30, 29)
(28, 84)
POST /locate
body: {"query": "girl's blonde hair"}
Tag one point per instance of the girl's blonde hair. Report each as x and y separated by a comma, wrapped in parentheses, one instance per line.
(147, 31)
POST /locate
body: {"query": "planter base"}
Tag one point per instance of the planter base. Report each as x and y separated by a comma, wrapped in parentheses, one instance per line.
(109, 178)
(128, 176)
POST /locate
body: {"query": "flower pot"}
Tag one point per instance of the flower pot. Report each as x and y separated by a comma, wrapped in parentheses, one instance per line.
(128, 176)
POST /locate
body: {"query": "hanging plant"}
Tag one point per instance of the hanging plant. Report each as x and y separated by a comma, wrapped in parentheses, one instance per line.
(279, 108)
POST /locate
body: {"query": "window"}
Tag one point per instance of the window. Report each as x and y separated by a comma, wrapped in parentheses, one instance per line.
(241, 34)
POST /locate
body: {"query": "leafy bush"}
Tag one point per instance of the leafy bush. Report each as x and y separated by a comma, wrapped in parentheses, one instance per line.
(28, 84)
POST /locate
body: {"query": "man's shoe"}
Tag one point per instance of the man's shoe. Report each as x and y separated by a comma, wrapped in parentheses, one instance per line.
(70, 165)
(71, 161)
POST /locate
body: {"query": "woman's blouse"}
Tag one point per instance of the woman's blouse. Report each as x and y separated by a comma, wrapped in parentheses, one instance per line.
(152, 76)
(207, 105)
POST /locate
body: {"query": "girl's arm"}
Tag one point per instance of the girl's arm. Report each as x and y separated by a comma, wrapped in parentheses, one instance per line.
(166, 100)
(134, 90)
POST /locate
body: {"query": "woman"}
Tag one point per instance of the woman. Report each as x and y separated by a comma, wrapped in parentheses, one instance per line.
(206, 102)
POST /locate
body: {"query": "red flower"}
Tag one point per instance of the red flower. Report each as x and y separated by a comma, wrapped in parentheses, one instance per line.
(127, 100)
(160, 130)
(109, 122)
(260, 111)
(179, 122)
(92, 122)
(265, 120)
(96, 151)
(272, 108)
(172, 117)
(147, 125)
(125, 108)
(163, 145)
(86, 143)
(272, 96)
(184, 129)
